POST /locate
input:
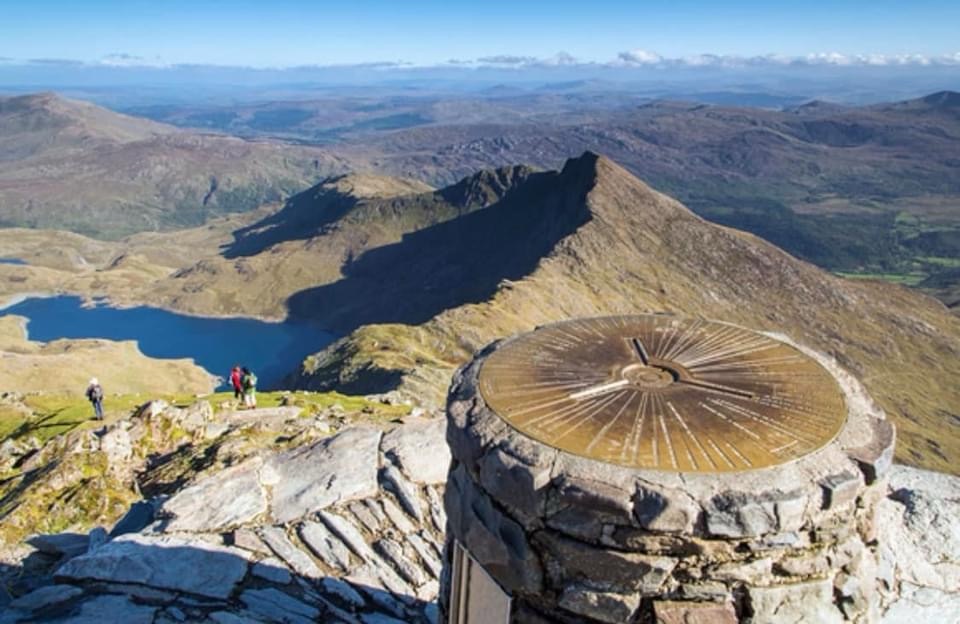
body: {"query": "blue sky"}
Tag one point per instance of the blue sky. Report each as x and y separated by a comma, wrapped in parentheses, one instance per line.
(283, 33)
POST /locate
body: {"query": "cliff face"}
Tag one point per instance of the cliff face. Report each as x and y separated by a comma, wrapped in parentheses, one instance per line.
(624, 248)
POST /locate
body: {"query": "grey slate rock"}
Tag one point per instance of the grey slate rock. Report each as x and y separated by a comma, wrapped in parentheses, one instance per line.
(314, 477)
(164, 562)
(225, 617)
(420, 449)
(280, 544)
(228, 498)
(393, 553)
(65, 544)
(275, 606)
(350, 535)
(102, 609)
(405, 491)
(325, 545)
(272, 569)
(96, 538)
(430, 561)
(343, 591)
(379, 618)
(45, 597)
(397, 517)
(137, 517)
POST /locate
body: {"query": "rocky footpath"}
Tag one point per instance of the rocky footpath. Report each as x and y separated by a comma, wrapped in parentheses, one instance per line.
(349, 528)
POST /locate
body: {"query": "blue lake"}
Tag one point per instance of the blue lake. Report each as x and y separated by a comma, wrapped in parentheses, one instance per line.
(12, 261)
(271, 350)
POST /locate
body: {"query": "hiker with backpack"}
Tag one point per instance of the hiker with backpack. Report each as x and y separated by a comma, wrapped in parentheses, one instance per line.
(249, 383)
(236, 382)
(95, 396)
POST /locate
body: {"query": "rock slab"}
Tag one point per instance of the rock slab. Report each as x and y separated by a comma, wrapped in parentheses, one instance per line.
(164, 562)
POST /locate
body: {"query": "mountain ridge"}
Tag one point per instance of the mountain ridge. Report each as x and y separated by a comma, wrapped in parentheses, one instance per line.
(639, 251)
(73, 165)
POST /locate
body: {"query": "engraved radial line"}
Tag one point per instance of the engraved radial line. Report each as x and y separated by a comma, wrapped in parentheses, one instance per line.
(653, 427)
(684, 439)
(573, 408)
(631, 447)
(689, 338)
(722, 340)
(760, 418)
(602, 432)
(713, 342)
(727, 419)
(670, 340)
(740, 352)
(737, 452)
(666, 434)
(732, 348)
(692, 436)
(716, 449)
(586, 417)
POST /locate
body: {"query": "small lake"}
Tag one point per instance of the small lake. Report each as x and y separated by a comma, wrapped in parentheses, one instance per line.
(12, 261)
(271, 350)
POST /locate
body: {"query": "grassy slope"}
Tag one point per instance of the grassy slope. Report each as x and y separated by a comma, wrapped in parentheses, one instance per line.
(73, 166)
(66, 486)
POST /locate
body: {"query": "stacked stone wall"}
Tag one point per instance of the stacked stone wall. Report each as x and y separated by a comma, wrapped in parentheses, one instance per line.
(572, 539)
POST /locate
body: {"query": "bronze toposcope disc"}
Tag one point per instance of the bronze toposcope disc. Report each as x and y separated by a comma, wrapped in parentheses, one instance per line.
(664, 393)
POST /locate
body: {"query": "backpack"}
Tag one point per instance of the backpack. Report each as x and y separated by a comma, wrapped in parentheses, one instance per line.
(250, 381)
(96, 393)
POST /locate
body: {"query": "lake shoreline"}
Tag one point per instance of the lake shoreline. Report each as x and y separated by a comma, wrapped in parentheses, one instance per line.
(107, 301)
(273, 349)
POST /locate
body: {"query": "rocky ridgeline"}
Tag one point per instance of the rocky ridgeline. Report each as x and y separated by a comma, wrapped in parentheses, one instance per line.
(350, 528)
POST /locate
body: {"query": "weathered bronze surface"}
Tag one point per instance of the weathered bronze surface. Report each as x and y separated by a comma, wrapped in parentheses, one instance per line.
(665, 393)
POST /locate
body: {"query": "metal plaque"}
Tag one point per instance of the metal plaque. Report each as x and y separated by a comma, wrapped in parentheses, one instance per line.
(664, 393)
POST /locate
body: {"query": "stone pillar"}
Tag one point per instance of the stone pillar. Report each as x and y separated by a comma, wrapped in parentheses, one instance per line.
(573, 539)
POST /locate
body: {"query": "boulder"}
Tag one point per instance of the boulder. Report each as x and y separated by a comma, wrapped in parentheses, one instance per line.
(62, 544)
(226, 499)
(165, 562)
(420, 450)
(335, 470)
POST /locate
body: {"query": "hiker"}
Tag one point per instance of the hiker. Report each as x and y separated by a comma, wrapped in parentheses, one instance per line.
(235, 376)
(95, 396)
(249, 382)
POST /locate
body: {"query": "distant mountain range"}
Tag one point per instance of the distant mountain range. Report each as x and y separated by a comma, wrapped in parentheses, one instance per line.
(71, 165)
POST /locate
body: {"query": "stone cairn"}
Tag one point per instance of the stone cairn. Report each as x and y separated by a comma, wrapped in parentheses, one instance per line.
(572, 539)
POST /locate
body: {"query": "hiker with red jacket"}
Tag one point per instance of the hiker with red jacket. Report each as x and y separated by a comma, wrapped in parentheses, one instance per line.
(235, 381)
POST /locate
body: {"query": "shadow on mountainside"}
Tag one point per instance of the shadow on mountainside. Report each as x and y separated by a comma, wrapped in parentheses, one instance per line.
(141, 579)
(304, 215)
(456, 262)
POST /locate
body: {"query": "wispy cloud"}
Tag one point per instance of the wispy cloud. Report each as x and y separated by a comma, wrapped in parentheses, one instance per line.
(639, 58)
(503, 59)
(646, 58)
(56, 61)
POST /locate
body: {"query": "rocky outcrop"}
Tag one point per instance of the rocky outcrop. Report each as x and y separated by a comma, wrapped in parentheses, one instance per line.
(367, 558)
(344, 529)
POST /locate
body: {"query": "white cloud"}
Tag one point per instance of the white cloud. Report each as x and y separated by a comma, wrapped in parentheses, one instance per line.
(639, 57)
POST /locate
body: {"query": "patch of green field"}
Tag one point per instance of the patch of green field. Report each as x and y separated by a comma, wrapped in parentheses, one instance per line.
(905, 279)
(53, 415)
(949, 263)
